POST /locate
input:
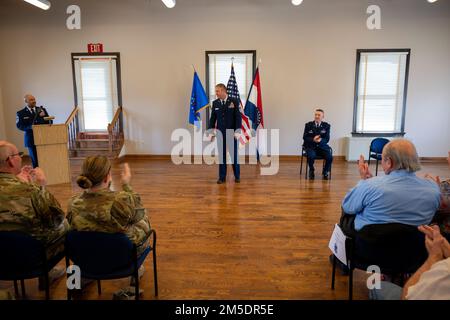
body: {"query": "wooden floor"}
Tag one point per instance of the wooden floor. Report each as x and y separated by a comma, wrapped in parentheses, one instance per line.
(266, 238)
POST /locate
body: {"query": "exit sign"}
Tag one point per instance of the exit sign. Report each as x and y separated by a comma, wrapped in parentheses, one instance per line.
(95, 47)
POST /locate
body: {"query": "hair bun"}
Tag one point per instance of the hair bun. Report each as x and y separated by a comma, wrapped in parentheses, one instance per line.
(84, 182)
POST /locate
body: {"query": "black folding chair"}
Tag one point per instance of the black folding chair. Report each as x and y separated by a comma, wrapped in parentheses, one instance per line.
(107, 256)
(397, 249)
(24, 257)
(376, 150)
(318, 157)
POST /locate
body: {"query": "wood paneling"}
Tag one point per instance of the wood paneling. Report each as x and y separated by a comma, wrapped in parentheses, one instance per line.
(265, 238)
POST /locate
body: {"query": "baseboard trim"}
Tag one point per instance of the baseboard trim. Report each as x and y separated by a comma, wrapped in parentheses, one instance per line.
(433, 159)
(168, 157)
(126, 157)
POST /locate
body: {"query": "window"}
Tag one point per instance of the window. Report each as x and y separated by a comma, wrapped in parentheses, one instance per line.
(218, 68)
(96, 90)
(380, 92)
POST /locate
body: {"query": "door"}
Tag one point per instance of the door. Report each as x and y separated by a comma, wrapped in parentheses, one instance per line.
(97, 91)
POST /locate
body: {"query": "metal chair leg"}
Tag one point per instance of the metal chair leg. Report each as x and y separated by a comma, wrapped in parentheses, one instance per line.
(306, 169)
(333, 274)
(376, 170)
(136, 273)
(350, 282)
(301, 165)
(136, 287)
(16, 288)
(155, 271)
(47, 286)
(99, 287)
(22, 286)
(69, 294)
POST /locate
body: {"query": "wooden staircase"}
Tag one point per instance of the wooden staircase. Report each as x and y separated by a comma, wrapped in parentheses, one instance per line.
(84, 144)
(91, 144)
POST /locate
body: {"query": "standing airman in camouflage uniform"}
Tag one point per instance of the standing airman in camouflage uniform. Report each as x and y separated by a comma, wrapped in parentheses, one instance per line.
(102, 210)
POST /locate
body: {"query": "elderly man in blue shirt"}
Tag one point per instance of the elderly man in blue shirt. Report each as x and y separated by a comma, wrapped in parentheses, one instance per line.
(398, 197)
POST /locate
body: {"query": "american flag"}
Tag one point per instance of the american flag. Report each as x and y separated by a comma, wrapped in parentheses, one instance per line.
(233, 92)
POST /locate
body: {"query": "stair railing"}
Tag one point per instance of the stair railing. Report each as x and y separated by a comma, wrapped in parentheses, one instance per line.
(115, 131)
(73, 128)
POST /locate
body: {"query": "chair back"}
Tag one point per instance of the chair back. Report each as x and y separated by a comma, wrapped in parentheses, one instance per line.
(378, 144)
(394, 247)
(21, 255)
(99, 253)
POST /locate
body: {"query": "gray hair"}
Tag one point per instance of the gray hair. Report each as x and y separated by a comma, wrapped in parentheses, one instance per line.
(403, 154)
(6, 149)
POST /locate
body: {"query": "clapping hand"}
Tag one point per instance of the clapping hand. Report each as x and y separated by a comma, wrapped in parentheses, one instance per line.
(39, 177)
(25, 174)
(363, 167)
(437, 246)
(126, 174)
(435, 179)
(317, 139)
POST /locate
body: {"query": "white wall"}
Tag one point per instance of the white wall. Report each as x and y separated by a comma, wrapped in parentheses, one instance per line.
(308, 59)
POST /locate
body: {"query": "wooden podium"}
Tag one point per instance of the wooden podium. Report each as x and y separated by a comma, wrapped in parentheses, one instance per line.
(53, 155)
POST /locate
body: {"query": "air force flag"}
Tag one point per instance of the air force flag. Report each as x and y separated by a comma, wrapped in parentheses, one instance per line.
(199, 101)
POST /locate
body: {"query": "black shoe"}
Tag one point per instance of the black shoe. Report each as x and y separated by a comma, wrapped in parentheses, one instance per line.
(220, 181)
(237, 180)
(326, 176)
(311, 175)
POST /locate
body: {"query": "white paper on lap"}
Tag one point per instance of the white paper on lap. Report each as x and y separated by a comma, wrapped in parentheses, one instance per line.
(337, 244)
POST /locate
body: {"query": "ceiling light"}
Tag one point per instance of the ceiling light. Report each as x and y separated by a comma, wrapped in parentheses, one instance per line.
(169, 3)
(296, 2)
(431, 1)
(43, 4)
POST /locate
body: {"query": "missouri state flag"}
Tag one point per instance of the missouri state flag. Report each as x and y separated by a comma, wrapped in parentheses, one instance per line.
(199, 101)
(253, 107)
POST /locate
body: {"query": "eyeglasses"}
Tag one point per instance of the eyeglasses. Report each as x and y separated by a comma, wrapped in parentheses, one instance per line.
(20, 154)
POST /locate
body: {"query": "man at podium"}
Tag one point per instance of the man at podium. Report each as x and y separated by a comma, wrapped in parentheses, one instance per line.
(26, 118)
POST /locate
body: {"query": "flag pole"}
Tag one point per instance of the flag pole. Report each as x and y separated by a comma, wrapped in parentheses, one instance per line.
(248, 97)
(259, 62)
(193, 68)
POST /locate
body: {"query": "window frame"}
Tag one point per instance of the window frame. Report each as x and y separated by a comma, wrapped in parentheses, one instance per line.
(356, 94)
(115, 55)
(207, 53)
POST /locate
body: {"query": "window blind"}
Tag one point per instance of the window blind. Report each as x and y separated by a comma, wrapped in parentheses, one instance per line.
(380, 96)
(220, 68)
(97, 88)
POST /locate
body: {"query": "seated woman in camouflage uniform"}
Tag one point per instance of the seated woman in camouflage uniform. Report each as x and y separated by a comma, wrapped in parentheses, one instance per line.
(102, 210)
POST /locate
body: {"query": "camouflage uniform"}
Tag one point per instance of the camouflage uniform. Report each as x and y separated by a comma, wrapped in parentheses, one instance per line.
(112, 212)
(29, 208)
